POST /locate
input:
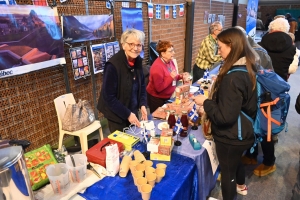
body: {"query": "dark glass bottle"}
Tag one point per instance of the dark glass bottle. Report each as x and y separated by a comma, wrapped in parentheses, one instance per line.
(267, 98)
(171, 119)
(185, 123)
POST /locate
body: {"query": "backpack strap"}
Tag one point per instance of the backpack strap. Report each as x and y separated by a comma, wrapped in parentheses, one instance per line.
(260, 49)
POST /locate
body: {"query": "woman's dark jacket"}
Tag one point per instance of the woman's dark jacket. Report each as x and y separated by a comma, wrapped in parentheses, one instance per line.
(234, 94)
(115, 97)
(280, 48)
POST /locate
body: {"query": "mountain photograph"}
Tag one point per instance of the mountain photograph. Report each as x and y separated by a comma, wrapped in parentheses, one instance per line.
(85, 28)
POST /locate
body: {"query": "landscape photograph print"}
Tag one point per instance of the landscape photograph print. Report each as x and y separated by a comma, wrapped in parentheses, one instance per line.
(30, 39)
(85, 28)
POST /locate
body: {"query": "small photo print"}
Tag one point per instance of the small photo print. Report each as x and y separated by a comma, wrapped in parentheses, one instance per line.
(85, 61)
(81, 71)
(76, 74)
(80, 62)
(73, 54)
(86, 70)
(74, 62)
(83, 52)
(109, 49)
(78, 51)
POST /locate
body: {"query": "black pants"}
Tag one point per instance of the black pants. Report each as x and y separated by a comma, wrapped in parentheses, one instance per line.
(114, 126)
(232, 169)
(268, 151)
(197, 73)
(155, 102)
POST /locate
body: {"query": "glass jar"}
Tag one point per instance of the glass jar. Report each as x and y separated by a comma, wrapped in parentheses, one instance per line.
(171, 119)
(185, 123)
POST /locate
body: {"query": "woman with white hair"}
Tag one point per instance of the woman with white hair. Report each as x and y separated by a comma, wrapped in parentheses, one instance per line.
(123, 91)
(279, 46)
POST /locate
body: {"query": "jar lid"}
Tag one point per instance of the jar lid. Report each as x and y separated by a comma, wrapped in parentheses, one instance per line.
(172, 111)
(184, 112)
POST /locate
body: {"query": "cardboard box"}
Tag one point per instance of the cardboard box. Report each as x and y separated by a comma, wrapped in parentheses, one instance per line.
(165, 139)
(126, 139)
(156, 156)
(164, 150)
(166, 132)
(153, 144)
(161, 157)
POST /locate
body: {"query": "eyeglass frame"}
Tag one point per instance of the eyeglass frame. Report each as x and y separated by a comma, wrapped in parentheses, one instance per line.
(132, 45)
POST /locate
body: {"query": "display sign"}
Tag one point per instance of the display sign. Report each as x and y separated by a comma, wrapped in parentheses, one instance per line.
(251, 17)
(87, 27)
(30, 39)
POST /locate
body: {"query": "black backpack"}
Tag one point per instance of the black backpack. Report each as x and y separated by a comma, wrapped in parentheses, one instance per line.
(297, 105)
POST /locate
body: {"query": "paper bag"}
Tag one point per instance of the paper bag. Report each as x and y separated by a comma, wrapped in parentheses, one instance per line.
(112, 160)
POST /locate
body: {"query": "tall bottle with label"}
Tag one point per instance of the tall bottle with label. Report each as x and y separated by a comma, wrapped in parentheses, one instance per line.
(185, 123)
(171, 119)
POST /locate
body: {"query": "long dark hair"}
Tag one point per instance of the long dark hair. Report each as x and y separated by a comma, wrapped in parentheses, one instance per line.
(240, 47)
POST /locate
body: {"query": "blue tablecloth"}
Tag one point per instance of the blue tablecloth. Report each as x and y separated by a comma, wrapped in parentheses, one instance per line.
(206, 178)
(179, 183)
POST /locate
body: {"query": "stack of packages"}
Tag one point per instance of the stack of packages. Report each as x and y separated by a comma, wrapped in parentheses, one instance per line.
(161, 147)
(182, 102)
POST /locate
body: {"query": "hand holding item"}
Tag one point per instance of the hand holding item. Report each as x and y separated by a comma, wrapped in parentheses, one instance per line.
(173, 74)
(199, 99)
(144, 113)
(134, 120)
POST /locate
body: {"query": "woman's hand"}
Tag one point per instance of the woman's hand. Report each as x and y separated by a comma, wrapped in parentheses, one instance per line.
(173, 74)
(134, 120)
(199, 99)
(144, 113)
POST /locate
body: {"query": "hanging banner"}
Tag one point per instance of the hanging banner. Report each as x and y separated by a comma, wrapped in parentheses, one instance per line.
(174, 11)
(87, 27)
(8, 2)
(158, 11)
(99, 57)
(167, 12)
(40, 2)
(150, 10)
(30, 39)
(181, 10)
(133, 18)
(80, 63)
(251, 17)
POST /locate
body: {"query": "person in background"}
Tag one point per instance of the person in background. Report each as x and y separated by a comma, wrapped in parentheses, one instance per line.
(163, 76)
(268, 21)
(207, 57)
(279, 46)
(259, 24)
(232, 93)
(294, 65)
(293, 23)
(123, 90)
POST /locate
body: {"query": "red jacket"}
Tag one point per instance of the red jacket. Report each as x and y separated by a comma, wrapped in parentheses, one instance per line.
(160, 81)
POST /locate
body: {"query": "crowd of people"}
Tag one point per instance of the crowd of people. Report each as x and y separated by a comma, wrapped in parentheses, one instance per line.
(124, 95)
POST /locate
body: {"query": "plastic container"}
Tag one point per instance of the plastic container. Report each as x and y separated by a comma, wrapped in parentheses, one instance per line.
(58, 175)
(77, 173)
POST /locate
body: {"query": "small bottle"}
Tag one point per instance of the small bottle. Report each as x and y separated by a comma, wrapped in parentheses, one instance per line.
(185, 123)
(267, 98)
(171, 119)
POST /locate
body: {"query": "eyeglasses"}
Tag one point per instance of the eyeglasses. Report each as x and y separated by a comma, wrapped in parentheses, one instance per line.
(171, 51)
(132, 45)
(219, 30)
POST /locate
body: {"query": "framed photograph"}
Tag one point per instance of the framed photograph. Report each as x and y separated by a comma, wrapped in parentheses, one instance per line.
(80, 62)
(99, 57)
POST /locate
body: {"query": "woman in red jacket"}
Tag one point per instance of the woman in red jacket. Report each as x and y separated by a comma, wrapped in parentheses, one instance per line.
(163, 76)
